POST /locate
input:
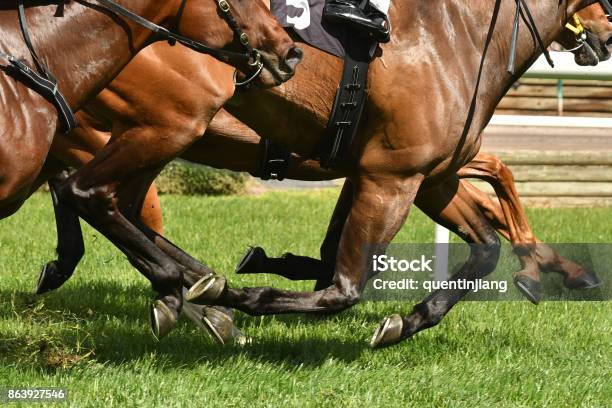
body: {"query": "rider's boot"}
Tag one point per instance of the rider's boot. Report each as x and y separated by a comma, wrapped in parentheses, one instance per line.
(373, 23)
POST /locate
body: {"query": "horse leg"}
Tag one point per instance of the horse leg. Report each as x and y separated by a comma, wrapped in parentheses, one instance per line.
(226, 133)
(75, 150)
(70, 244)
(380, 207)
(450, 205)
(547, 259)
(296, 267)
(217, 321)
(106, 188)
(510, 220)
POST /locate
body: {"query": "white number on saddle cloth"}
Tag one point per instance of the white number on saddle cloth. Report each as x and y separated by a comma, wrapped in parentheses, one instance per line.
(302, 21)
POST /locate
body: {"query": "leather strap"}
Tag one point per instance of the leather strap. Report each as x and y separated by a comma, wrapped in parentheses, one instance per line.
(523, 8)
(275, 161)
(174, 37)
(43, 81)
(348, 104)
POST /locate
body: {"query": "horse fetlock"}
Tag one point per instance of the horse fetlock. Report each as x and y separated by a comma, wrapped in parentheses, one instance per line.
(430, 313)
(488, 255)
(168, 278)
(336, 300)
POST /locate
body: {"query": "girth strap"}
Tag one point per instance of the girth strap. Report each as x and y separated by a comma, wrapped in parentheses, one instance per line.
(275, 161)
(334, 149)
(43, 81)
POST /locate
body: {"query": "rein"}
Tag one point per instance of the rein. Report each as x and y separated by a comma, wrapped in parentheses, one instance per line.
(44, 82)
(250, 56)
(521, 6)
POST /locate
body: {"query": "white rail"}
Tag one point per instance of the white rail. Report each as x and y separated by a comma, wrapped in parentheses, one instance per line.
(566, 68)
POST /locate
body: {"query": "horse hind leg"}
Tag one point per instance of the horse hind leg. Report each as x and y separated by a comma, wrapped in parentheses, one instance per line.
(461, 215)
(509, 218)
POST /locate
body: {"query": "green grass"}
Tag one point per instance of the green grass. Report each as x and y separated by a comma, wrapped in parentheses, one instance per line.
(92, 335)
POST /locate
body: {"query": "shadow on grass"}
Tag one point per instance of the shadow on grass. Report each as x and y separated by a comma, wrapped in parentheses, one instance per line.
(116, 318)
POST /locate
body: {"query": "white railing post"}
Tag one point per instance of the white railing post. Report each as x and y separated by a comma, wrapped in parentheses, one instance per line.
(441, 263)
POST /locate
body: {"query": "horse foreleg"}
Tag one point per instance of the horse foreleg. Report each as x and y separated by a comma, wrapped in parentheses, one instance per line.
(70, 244)
(450, 205)
(379, 208)
(509, 218)
(113, 184)
(75, 150)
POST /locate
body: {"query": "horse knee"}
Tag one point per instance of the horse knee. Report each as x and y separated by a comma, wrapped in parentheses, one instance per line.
(91, 201)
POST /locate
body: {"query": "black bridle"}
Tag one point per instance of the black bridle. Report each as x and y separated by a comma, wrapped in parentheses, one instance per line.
(251, 56)
(522, 10)
(44, 82)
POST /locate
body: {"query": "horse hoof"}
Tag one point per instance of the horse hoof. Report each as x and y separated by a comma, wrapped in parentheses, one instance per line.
(530, 288)
(206, 290)
(252, 261)
(216, 322)
(163, 319)
(389, 332)
(587, 280)
(50, 278)
(219, 324)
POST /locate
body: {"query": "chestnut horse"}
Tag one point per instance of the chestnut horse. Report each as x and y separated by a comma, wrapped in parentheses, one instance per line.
(113, 35)
(368, 174)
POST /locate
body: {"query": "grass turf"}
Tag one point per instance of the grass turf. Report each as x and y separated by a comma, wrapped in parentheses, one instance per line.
(92, 338)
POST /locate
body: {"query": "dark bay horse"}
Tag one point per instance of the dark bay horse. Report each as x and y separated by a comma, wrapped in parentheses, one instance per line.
(86, 45)
(288, 92)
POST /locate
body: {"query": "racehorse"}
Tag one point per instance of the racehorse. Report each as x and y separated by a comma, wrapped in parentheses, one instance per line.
(254, 112)
(74, 64)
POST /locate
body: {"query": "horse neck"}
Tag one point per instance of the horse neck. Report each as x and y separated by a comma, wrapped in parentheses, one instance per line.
(305, 100)
(459, 32)
(85, 47)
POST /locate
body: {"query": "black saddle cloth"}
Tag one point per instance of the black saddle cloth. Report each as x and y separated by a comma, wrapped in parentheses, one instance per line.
(305, 17)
